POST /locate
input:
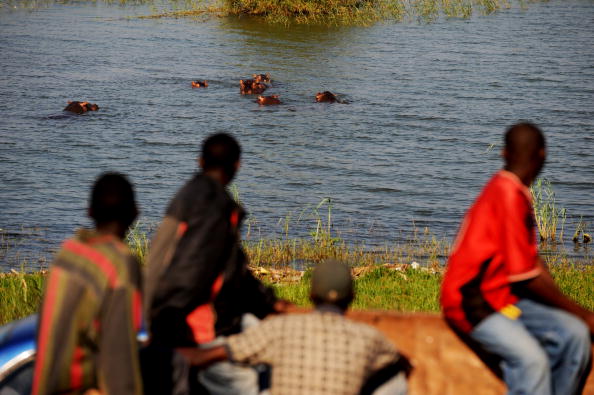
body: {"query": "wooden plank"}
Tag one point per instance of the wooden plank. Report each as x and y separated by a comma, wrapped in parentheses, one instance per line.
(443, 363)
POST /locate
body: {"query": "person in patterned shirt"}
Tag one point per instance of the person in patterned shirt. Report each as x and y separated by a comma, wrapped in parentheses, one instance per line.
(320, 352)
(91, 308)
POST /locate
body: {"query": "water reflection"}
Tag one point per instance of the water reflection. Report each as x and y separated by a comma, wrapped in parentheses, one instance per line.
(305, 52)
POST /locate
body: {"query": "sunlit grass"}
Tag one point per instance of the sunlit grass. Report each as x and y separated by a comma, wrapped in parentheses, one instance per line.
(380, 288)
(20, 294)
(386, 279)
(411, 290)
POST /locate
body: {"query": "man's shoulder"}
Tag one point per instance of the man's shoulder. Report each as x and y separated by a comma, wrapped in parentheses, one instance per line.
(502, 190)
(97, 257)
(506, 185)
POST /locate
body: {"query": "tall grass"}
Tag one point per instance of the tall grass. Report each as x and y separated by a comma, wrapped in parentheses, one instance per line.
(549, 217)
(138, 241)
(581, 230)
(20, 294)
(324, 243)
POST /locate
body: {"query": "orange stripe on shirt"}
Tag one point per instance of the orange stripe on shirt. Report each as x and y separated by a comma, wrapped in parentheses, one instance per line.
(137, 309)
(76, 370)
(47, 315)
(96, 257)
(234, 218)
(181, 228)
(203, 319)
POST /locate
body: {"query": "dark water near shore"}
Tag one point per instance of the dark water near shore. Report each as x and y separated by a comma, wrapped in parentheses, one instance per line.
(413, 144)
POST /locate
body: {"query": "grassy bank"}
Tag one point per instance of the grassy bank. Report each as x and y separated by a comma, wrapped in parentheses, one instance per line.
(379, 287)
(20, 294)
(399, 276)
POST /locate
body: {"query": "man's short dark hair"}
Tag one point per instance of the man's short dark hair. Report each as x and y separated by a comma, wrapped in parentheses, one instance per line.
(221, 151)
(112, 199)
(524, 135)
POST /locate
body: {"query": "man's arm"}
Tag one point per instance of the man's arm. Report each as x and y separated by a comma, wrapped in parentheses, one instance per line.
(527, 272)
(386, 363)
(544, 289)
(203, 357)
(254, 345)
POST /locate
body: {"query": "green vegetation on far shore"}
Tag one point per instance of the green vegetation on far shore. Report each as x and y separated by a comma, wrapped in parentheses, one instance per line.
(317, 12)
(334, 12)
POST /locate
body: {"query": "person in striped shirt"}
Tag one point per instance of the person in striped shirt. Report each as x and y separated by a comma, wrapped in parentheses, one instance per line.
(91, 309)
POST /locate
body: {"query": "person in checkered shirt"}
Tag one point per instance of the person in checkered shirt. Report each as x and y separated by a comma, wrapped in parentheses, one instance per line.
(320, 352)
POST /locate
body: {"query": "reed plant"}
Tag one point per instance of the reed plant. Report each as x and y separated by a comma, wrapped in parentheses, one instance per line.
(324, 243)
(138, 241)
(581, 230)
(549, 217)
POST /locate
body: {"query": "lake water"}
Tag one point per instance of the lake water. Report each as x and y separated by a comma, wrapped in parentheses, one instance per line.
(415, 142)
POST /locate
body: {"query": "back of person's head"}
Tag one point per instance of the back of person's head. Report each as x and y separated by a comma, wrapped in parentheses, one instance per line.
(112, 200)
(221, 151)
(524, 146)
(332, 283)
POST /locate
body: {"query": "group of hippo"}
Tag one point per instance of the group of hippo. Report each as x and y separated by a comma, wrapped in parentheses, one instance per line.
(259, 83)
(254, 86)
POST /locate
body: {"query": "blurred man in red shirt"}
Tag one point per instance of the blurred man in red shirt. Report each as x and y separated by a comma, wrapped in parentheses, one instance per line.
(498, 291)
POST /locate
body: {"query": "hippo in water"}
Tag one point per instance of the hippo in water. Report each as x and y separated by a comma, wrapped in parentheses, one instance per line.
(199, 84)
(251, 87)
(261, 77)
(79, 107)
(268, 100)
(326, 97)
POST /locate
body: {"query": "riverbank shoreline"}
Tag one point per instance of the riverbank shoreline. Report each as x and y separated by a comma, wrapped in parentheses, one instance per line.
(381, 287)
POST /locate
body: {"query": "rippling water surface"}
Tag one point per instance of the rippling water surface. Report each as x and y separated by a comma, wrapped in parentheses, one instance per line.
(426, 102)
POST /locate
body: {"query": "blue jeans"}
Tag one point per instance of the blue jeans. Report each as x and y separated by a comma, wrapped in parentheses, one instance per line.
(545, 351)
(226, 378)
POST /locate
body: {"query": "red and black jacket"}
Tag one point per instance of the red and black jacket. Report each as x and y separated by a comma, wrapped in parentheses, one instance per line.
(198, 284)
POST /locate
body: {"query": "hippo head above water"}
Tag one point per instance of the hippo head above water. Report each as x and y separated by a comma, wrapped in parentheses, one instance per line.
(261, 77)
(268, 100)
(251, 87)
(326, 97)
(79, 107)
(199, 84)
